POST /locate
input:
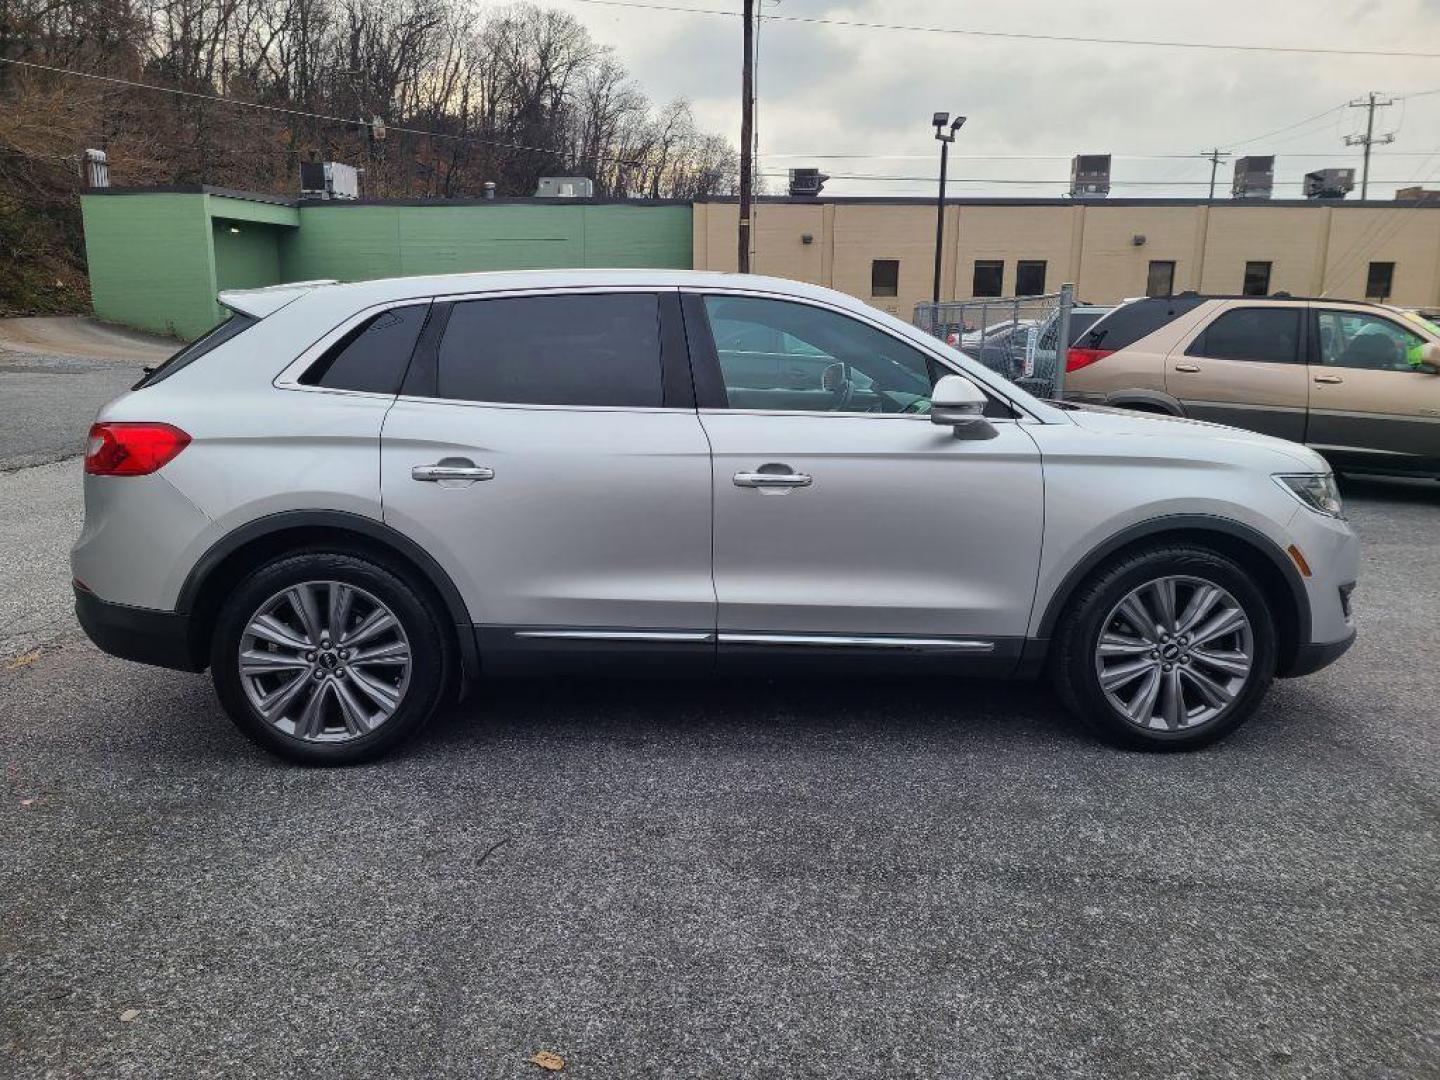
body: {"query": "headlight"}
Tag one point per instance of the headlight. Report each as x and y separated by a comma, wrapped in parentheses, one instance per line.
(1317, 491)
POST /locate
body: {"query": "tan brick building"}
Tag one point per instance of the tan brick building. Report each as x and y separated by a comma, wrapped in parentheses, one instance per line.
(883, 250)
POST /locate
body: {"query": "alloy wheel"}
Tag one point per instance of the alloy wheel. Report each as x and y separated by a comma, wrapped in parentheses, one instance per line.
(324, 661)
(1174, 653)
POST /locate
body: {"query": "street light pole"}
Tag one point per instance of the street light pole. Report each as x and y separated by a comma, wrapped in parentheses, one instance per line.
(946, 135)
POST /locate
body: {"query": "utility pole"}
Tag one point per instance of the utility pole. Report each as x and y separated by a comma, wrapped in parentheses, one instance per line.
(747, 125)
(1214, 156)
(1369, 103)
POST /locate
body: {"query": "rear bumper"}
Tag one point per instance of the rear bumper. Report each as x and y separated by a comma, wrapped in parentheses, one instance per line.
(162, 638)
(1311, 658)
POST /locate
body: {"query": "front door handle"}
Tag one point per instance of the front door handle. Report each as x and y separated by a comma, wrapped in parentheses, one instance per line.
(1189, 369)
(773, 480)
(1329, 379)
(452, 469)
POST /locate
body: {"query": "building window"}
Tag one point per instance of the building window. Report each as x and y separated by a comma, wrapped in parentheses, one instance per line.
(1160, 281)
(885, 277)
(989, 278)
(1257, 279)
(1379, 280)
(1030, 277)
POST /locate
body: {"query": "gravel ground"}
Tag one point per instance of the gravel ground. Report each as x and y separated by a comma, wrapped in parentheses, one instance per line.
(728, 880)
(48, 402)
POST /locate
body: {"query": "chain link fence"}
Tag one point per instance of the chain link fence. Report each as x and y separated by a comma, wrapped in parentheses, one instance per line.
(1016, 337)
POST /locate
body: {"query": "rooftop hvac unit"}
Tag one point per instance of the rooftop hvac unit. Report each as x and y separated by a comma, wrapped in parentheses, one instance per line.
(328, 180)
(565, 187)
(1090, 176)
(1329, 183)
(1254, 177)
(95, 167)
(806, 183)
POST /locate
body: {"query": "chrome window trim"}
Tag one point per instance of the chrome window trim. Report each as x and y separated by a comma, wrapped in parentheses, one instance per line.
(289, 377)
(416, 399)
(913, 417)
(926, 349)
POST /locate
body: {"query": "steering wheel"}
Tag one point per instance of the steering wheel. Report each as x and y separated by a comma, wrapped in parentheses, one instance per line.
(836, 379)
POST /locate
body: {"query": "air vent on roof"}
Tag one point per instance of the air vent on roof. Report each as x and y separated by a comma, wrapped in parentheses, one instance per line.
(806, 183)
(328, 180)
(95, 168)
(1090, 176)
(1329, 183)
(565, 187)
(1254, 177)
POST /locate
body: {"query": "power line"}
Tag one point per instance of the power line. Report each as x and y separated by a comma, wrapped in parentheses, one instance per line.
(1066, 157)
(1063, 181)
(285, 110)
(1291, 127)
(1015, 35)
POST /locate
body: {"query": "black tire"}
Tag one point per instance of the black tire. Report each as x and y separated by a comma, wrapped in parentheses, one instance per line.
(1077, 638)
(431, 662)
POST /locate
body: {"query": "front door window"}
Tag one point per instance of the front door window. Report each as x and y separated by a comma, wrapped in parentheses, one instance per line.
(782, 356)
(1354, 339)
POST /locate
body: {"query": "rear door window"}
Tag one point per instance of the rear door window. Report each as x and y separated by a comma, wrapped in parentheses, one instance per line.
(577, 349)
(1261, 335)
(373, 356)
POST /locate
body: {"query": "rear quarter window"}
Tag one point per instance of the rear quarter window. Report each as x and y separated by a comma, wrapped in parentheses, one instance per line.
(1129, 323)
(207, 342)
(372, 357)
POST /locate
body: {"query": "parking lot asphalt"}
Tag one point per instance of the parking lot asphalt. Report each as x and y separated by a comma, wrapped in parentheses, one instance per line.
(723, 879)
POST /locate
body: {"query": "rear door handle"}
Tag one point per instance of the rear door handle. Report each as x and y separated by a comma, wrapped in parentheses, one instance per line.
(773, 480)
(1189, 369)
(1329, 379)
(452, 469)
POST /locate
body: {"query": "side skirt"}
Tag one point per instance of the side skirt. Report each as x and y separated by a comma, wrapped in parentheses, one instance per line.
(668, 652)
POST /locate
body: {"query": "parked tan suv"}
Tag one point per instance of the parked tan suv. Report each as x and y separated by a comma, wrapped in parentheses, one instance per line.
(1358, 382)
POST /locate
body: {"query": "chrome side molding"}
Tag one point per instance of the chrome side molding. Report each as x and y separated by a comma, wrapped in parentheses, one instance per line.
(701, 637)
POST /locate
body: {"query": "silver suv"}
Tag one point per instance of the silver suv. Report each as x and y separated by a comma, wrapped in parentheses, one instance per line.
(348, 501)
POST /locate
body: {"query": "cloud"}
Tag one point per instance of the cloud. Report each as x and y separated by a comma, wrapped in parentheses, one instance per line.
(831, 90)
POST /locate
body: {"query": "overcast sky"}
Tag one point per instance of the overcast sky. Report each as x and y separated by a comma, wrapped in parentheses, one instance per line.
(829, 90)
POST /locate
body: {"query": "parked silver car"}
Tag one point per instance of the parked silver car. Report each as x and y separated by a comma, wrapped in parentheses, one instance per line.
(347, 501)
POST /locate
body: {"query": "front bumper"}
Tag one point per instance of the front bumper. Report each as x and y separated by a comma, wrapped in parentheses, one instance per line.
(162, 638)
(1311, 658)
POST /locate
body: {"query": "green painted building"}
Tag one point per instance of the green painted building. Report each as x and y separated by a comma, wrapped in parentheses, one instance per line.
(158, 256)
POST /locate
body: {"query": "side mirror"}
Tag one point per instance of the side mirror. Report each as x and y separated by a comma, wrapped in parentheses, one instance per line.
(958, 403)
(1429, 359)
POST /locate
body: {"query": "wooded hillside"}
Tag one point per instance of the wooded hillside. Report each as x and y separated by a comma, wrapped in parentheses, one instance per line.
(429, 97)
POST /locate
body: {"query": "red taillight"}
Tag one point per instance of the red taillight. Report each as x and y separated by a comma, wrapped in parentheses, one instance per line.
(1075, 359)
(132, 449)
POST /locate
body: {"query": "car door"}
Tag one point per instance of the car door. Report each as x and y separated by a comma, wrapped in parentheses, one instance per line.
(1371, 405)
(1244, 368)
(546, 451)
(847, 521)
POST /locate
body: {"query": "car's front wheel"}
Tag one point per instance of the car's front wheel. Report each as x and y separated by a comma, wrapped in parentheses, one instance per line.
(328, 659)
(1168, 649)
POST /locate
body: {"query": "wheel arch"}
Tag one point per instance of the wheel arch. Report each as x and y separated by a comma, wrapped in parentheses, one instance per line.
(1274, 572)
(1146, 401)
(241, 551)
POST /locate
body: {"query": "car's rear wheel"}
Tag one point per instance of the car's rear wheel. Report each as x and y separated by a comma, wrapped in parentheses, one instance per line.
(1168, 649)
(328, 659)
